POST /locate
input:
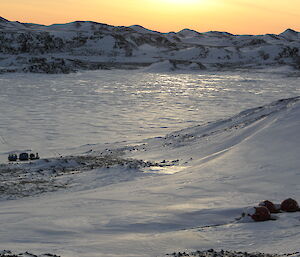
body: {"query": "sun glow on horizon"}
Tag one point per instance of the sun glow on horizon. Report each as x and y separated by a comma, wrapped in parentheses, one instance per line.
(179, 3)
(234, 16)
(184, 1)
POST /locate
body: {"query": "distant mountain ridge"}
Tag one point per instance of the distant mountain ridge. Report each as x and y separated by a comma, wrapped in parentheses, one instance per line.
(64, 48)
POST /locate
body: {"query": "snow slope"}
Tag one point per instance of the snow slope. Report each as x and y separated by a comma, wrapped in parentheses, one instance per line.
(64, 48)
(202, 179)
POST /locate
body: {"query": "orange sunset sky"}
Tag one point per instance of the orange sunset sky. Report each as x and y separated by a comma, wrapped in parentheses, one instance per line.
(234, 16)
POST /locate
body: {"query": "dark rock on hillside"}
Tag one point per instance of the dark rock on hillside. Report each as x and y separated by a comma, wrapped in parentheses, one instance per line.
(222, 253)
(7, 253)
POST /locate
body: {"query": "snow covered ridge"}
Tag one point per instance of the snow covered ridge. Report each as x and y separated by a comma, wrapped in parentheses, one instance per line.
(226, 133)
(7, 253)
(222, 253)
(208, 253)
(64, 48)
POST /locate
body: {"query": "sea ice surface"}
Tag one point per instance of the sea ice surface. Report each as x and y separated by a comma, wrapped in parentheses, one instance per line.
(52, 114)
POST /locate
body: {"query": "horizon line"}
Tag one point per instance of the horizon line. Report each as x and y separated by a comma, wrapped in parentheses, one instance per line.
(39, 24)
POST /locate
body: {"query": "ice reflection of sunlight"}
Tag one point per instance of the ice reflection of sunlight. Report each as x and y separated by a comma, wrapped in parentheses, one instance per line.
(168, 170)
(109, 106)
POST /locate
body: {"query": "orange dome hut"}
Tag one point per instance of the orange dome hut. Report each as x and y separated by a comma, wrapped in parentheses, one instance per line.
(258, 213)
(289, 205)
(270, 206)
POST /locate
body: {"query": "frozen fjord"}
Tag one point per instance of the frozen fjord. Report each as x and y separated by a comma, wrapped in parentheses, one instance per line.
(53, 114)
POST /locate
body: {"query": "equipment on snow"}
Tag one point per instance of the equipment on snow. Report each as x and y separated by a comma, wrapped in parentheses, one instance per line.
(23, 157)
(12, 157)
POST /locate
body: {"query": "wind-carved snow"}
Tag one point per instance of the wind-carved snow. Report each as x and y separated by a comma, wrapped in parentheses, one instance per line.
(227, 166)
(86, 45)
(207, 141)
(210, 140)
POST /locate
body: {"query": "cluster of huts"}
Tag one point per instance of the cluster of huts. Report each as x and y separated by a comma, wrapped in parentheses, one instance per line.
(23, 157)
(265, 209)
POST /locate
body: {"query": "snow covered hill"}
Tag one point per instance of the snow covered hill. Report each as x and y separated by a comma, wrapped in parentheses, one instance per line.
(181, 192)
(64, 48)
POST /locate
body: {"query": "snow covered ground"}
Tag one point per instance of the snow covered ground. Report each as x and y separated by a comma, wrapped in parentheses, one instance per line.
(177, 192)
